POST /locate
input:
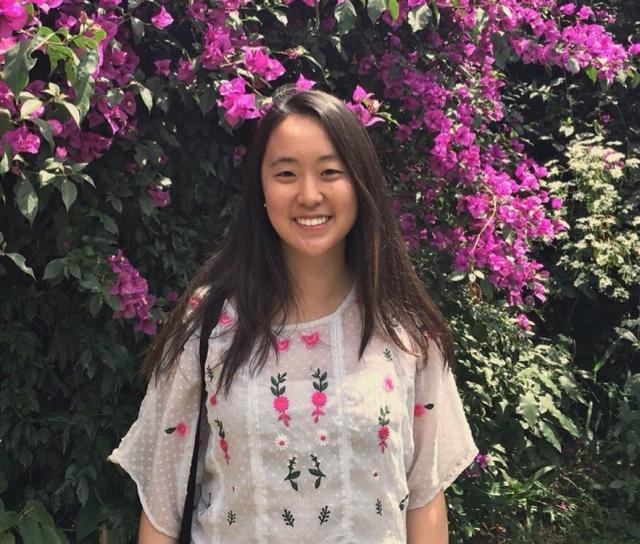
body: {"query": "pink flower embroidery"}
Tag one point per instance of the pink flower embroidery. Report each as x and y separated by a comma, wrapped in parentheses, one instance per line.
(388, 383)
(225, 319)
(383, 430)
(283, 344)
(322, 439)
(421, 409)
(181, 429)
(222, 443)
(213, 400)
(310, 340)
(280, 403)
(281, 442)
(194, 301)
(318, 397)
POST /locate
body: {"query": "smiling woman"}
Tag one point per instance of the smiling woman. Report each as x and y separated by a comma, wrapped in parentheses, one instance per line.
(340, 415)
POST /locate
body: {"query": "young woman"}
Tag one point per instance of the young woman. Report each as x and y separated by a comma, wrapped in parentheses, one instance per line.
(332, 414)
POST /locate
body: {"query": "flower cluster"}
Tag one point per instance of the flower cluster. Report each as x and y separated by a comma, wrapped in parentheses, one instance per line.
(132, 291)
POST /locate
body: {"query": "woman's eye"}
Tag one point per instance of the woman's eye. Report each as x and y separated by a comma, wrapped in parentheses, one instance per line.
(331, 172)
(285, 173)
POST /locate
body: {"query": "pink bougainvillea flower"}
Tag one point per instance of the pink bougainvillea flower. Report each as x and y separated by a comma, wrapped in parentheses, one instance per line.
(162, 19)
(61, 152)
(239, 151)
(310, 340)
(634, 49)
(163, 66)
(185, 71)
(46, 5)
(523, 322)
(159, 197)
(12, 17)
(302, 83)
(172, 296)
(22, 140)
(259, 63)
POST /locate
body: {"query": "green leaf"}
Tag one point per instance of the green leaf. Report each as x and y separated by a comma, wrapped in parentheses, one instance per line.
(88, 518)
(345, 15)
(69, 192)
(7, 538)
(394, 9)
(54, 269)
(5, 120)
(29, 107)
(457, 275)
(549, 434)
(375, 8)
(137, 27)
(4, 168)
(146, 95)
(45, 131)
(37, 511)
(73, 111)
(21, 263)
(419, 17)
(26, 199)
(592, 73)
(18, 62)
(84, 84)
(30, 531)
(8, 520)
(528, 407)
(573, 65)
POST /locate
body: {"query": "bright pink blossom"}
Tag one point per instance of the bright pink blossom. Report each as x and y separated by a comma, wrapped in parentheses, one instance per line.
(310, 340)
(162, 19)
(163, 67)
(22, 140)
(12, 17)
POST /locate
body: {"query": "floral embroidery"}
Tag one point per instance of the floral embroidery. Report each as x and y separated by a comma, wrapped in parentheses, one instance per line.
(194, 301)
(322, 438)
(318, 397)
(310, 340)
(316, 471)
(225, 319)
(387, 354)
(281, 442)
(210, 373)
(288, 518)
(283, 344)
(378, 507)
(403, 502)
(213, 400)
(222, 444)
(421, 409)
(293, 474)
(181, 429)
(383, 430)
(280, 403)
(324, 514)
(231, 517)
(387, 383)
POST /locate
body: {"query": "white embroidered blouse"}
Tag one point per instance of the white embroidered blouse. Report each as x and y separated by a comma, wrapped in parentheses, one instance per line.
(321, 447)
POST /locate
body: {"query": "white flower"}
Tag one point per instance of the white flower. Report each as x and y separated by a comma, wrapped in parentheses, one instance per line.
(322, 438)
(281, 442)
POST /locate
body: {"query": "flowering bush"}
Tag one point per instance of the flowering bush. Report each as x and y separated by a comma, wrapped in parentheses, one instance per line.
(122, 125)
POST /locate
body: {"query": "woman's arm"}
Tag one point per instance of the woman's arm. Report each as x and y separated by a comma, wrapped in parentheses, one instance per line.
(148, 534)
(428, 524)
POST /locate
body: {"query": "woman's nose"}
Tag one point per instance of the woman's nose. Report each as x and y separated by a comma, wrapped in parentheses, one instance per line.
(310, 193)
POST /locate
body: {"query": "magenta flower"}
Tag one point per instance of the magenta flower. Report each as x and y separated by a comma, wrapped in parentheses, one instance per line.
(171, 296)
(634, 49)
(185, 71)
(162, 19)
(12, 17)
(523, 322)
(162, 67)
(159, 197)
(302, 83)
(261, 64)
(46, 5)
(22, 140)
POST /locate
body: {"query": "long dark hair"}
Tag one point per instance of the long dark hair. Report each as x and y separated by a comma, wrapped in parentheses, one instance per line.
(248, 265)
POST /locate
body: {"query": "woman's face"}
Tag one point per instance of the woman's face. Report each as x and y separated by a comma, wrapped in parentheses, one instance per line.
(310, 198)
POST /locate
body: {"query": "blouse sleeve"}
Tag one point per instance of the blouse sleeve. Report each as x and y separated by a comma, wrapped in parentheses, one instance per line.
(443, 445)
(156, 451)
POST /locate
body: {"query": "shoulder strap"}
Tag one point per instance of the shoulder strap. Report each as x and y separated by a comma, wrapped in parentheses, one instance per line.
(209, 321)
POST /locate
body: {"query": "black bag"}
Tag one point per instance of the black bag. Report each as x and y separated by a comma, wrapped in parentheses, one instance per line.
(209, 321)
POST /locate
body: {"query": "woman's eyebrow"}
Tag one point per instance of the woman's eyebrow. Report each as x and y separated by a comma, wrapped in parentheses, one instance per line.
(292, 160)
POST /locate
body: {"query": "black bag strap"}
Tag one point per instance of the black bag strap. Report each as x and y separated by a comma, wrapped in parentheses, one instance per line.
(209, 320)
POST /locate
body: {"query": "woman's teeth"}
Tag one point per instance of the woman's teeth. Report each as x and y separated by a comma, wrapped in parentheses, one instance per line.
(312, 222)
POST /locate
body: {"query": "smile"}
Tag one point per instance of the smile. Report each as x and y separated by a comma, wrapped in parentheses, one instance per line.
(312, 222)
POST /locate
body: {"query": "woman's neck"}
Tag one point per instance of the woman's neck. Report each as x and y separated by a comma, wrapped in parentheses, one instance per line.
(318, 288)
